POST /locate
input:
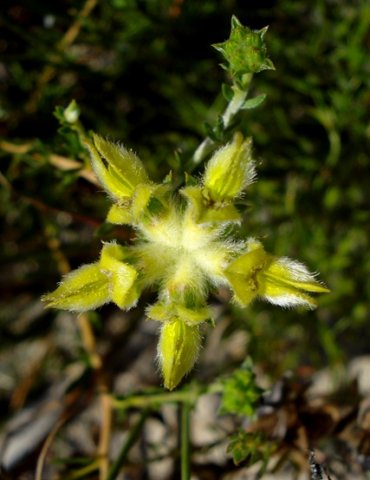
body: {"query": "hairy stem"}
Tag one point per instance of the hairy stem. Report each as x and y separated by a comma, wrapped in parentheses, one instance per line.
(233, 107)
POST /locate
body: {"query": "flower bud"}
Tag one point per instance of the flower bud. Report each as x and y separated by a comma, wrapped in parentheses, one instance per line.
(230, 170)
(83, 289)
(119, 170)
(245, 50)
(177, 350)
(72, 112)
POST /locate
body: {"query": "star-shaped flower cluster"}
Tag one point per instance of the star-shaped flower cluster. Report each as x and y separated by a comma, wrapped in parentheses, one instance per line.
(183, 248)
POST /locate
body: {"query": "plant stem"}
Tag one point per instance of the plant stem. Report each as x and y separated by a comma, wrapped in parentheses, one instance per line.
(105, 430)
(153, 400)
(233, 107)
(45, 448)
(88, 340)
(236, 103)
(185, 440)
(126, 447)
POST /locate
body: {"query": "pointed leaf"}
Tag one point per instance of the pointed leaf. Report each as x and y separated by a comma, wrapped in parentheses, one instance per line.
(253, 102)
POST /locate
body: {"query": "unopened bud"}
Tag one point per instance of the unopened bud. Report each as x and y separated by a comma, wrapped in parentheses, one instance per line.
(177, 350)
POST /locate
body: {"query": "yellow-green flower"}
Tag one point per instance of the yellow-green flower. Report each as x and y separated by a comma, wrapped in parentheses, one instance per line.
(183, 249)
(119, 170)
(111, 279)
(280, 281)
(230, 170)
(178, 349)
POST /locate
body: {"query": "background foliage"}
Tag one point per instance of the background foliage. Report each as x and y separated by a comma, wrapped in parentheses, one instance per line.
(143, 72)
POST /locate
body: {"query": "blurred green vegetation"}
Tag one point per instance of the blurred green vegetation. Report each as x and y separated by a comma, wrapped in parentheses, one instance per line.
(143, 72)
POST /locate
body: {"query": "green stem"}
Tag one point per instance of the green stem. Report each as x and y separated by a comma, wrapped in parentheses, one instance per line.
(185, 440)
(239, 97)
(233, 107)
(126, 447)
(153, 400)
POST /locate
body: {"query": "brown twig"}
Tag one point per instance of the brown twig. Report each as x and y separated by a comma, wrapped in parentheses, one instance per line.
(105, 432)
(49, 440)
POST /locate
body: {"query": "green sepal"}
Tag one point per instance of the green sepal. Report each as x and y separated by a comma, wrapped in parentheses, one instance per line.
(190, 181)
(163, 312)
(140, 200)
(168, 179)
(86, 288)
(245, 288)
(221, 214)
(119, 215)
(119, 170)
(192, 316)
(204, 210)
(245, 50)
(242, 275)
(159, 312)
(196, 202)
(249, 262)
(150, 200)
(178, 350)
(112, 252)
(123, 286)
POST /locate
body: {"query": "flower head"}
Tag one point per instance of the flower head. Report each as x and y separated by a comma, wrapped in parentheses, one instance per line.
(182, 249)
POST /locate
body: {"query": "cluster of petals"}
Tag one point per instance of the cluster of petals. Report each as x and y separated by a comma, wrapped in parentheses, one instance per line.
(184, 248)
